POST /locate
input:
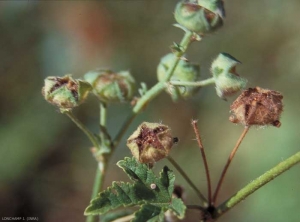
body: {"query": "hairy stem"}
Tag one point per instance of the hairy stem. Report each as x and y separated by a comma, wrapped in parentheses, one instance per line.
(201, 83)
(159, 87)
(188, 180)
(86, 131)
(103, 116)
(196, 130)
(155, 90)
(257, 183)
(102, 160)
(99, 178)
(233, 152)
(105, 145)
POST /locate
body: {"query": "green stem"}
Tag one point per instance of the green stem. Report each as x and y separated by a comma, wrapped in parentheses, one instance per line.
(188, 180)
(201, 83)
(103, 114)
(156, 89)
(100, 172)
(257, 183)
(148, 96)
(81, 126)
(184, 44)
(159, 87)
(98, 183)
(105, 144)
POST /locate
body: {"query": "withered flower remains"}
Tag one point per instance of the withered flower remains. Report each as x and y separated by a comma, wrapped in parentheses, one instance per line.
(65, 92)
(257, 106)
(150, 142)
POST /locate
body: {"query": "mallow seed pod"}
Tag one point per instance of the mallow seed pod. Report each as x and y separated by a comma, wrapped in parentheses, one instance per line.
(257, 106)
(216, 6)
(200, 18)
(111, 87)
(184, 71)
(65, 92)
(150, 142)
(227, 81)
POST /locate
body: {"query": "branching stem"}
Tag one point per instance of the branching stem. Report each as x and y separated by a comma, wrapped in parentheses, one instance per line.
(155, 90)
(102, 160)
(233, 152)
(196, 130)
(201, 83)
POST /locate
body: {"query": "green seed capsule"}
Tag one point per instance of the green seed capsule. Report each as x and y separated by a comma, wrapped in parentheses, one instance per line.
(65, 92)
(216, 6)
(200, 18)
(184, 71)
(111, 87)
(227, 81)
(150, 142)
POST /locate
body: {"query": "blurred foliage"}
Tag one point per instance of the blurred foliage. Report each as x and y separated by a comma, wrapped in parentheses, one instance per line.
(46, 169)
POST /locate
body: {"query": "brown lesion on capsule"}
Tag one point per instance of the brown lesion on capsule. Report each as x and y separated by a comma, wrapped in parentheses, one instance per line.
(110, 77)
(66, 81)
(150, 137)
(257, 106)
(150, 142)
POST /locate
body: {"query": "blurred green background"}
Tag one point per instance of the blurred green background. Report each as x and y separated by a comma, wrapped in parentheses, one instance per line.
(46, 169)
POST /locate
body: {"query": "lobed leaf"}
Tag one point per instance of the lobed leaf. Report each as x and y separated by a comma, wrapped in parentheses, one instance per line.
(153, 193)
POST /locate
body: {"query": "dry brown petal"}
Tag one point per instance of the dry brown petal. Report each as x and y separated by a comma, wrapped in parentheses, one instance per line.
(257, 106)
(150, 142)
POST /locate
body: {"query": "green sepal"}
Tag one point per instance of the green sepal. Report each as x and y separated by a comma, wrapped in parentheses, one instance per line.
(216, 6)
(65, 92)
(111, 87)
(227, 81)
(197, 18)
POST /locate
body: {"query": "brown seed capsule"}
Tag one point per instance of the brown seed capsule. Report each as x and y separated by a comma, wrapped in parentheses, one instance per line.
(150, 142)
(257, 106)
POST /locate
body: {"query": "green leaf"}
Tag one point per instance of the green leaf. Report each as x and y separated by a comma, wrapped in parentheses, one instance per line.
(115, 215)
(149, 213)
(178, 207)
(153, 193)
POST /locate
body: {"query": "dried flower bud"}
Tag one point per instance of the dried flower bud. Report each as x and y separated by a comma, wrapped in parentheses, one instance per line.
(227, 80)
(204, 17)
(111, 87)
(184, 71)
(257, 106)
(65, 92)
(150, 142)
